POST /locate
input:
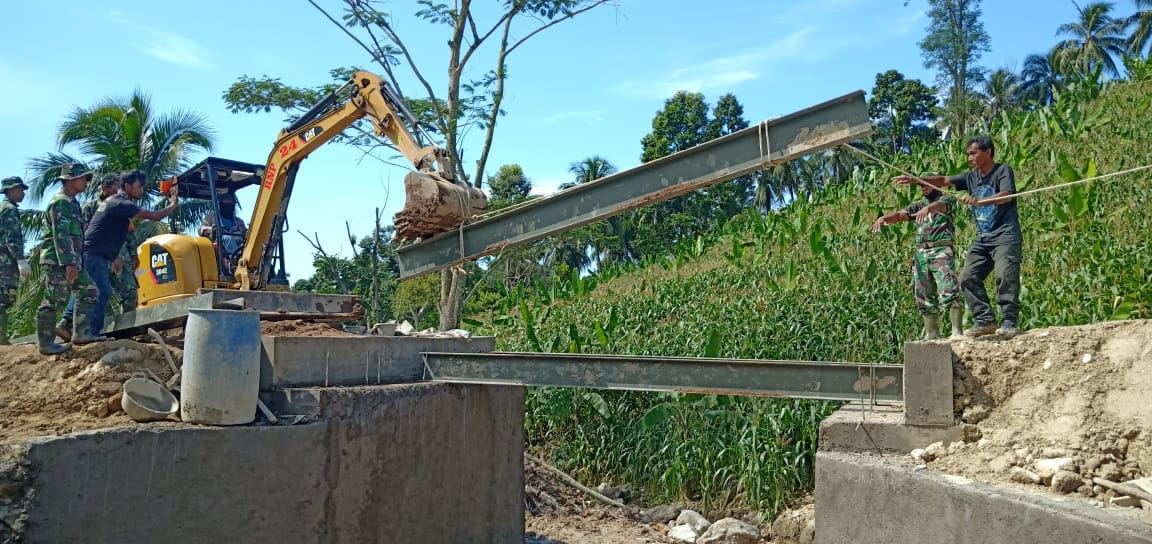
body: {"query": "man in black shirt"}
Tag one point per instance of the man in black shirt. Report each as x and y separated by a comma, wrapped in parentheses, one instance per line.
(105, 236)
(998, 246)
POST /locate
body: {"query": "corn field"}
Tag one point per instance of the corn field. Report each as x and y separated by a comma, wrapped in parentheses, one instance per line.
(811, 282)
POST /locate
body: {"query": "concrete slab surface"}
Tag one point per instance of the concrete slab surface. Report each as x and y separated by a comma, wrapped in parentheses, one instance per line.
(322, 361)
(873, 499)
(879, 429)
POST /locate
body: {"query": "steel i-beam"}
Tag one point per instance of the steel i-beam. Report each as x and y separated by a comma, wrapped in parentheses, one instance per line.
(832, 123)
(749, 377)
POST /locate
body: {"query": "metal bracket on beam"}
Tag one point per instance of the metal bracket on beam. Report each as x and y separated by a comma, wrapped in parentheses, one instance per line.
(832, 123)
(749, 377)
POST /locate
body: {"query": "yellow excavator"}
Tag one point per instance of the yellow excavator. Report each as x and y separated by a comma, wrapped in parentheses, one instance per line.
(177, 266)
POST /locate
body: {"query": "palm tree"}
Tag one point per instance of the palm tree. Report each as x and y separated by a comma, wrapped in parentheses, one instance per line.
(1141, 24)
(1040, 77)
(1096, 39)
(1001, 90)
(610, 240)
(589, 169)
(124, 133)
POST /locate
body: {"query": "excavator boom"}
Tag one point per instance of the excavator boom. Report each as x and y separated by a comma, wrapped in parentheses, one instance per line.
(435, 204)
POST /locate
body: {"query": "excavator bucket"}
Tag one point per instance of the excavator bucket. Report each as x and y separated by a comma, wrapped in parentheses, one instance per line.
(433, 205)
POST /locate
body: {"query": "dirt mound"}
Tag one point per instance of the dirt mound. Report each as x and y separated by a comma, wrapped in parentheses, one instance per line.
(76, 391)
(1054, 408)
(301, 327)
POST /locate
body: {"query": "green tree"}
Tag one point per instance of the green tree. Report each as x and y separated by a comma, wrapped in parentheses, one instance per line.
(126, 133)
(897, 106)
(589, 169)
(1141, 25)
(1040, 77)
(416, 301)
(371, 273)
(509, 186)
(956, 39)
(1001, 92)
(1096, 38)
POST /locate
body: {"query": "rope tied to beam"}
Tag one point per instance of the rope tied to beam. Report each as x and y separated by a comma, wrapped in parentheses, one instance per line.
(920, 181)
(765, 143)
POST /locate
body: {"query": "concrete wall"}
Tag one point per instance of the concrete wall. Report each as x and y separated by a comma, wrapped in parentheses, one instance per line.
(864, 499)
(402, 463)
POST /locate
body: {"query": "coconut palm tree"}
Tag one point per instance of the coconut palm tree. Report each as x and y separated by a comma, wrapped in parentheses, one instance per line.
(589, 169)
(125, 133)
(610, 240)
(1141, 25)
(1040, 77)
(1000, 93)
(1096, 39)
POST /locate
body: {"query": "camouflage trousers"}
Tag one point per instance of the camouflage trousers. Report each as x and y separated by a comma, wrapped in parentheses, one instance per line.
(9, 283)
(57, 289)
(125, 286)
(934, 280)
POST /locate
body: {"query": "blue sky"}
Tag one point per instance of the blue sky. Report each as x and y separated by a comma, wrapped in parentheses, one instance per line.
(589, 86)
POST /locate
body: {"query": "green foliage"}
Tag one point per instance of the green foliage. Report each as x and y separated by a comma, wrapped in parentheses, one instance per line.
(896, 105)
(509, 186)
(415, 300)
(371, 273)
(809, 282)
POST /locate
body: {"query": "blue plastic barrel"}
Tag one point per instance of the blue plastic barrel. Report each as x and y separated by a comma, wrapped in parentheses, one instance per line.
(220, 379)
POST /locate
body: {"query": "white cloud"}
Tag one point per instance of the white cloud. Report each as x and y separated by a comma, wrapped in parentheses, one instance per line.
(163, 45)
(173, 48)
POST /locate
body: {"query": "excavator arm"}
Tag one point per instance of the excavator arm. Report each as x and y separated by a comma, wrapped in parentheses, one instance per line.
(364, 95)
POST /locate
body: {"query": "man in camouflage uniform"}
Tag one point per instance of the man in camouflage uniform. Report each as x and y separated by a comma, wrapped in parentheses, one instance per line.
(61, 258)
(13, 265)
(934, 270)
(122, 278)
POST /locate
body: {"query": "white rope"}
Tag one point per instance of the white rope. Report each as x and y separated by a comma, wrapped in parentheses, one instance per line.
(1014, 195)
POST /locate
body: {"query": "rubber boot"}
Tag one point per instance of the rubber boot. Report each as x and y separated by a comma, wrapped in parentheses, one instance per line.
(46, 333)
(956, 314)
(82, 326)
(64, 329)
(931, 326)
(4, 328)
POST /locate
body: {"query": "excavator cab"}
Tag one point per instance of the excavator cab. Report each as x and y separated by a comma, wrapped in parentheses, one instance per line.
(173, 266)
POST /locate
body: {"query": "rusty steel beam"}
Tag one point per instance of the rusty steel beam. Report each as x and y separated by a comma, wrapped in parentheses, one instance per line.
(835, 122)
(747, 377)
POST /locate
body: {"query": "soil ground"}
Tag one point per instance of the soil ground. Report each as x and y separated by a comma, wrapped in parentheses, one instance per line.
(1081, 394)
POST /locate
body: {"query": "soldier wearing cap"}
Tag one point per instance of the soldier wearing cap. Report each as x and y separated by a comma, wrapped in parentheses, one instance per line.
(62, 259)
(13, 265)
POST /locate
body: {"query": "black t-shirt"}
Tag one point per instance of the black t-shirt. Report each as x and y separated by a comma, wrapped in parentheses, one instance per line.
(108, 228)
(995, 224)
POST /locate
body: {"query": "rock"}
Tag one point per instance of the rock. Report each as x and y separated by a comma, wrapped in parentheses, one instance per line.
(935, 450)
(730, 531)
(612, 492)
(663, 513)
(1024, 476)
(1002, 463)
(1085, 491)
(683, 533)
(983, 443)
(1124, 501)
(108, 389)
(114, 405)
(1131, 434)
(918, 454)
(975, 414)
(1064, 481)
(1053, 453)
(1110, 472)
(123, 356)
(693, 519)
(790, 525)
(1094, 463)
(970, 433)
(1045, 468)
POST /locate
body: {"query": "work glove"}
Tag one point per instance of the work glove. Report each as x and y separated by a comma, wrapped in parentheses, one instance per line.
(25, 270)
